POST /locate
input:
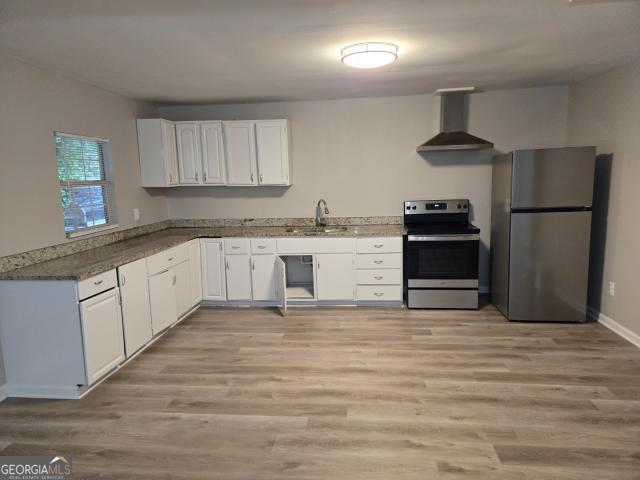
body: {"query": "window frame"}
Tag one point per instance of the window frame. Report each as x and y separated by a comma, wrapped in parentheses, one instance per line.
(107, 181)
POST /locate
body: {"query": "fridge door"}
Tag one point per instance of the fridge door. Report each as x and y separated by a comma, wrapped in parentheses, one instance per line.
(554, 177)
(549, 265)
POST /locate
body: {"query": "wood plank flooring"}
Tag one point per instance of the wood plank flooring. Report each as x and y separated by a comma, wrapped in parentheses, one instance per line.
(352, 394)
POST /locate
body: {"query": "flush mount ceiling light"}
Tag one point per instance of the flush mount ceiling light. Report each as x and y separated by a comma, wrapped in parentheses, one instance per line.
(369, 55)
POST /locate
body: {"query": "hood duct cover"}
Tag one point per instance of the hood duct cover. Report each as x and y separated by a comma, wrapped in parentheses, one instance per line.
(453, 125)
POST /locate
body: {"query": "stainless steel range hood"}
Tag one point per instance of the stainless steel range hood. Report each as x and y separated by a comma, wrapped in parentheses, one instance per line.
(453, 124)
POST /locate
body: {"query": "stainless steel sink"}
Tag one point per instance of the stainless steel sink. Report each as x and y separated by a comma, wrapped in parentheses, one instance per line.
(316, 230)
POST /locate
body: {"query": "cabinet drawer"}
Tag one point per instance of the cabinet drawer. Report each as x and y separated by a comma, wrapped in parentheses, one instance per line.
(263, 246)
(379, 245)
(168, 258)
(380, 277)
(96, 284)
(382, 293)
(236, 246)
(382, 260)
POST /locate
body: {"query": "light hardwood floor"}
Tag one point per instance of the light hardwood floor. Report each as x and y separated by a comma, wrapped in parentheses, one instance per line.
(353, 394)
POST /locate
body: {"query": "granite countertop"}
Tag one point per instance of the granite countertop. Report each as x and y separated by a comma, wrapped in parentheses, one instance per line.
(79, 266)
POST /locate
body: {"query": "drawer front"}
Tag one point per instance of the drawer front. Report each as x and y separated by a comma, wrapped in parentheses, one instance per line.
(96, 284)
(236, 246)
(379, 245)
(380, 277)
(382, 293)
(382, 260)
(309, 246)
(167, 258)
(263, 246)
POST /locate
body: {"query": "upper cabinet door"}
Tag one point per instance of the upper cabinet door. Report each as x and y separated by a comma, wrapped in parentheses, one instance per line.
(189, 156)
(273, 152)
(240, 147)
(169, 152)
(213, 161)
(157, 150)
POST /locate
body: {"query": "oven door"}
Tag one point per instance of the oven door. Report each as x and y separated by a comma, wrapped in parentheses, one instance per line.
(437, 261)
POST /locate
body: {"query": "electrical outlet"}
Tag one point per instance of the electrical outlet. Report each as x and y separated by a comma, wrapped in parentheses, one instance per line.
(612, 288)
(136, 214)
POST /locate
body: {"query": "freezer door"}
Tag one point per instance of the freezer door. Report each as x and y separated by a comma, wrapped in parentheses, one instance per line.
(554, 177)
(549, 265)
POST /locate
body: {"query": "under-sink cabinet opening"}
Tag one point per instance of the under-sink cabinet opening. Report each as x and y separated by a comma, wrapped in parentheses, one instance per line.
(299, 277)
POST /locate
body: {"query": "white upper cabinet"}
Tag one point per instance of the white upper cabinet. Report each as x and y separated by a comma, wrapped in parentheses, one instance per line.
(212, 147)
(158, 154)
(189, 155)
(236, 153)
(272, 145)
(240, 148)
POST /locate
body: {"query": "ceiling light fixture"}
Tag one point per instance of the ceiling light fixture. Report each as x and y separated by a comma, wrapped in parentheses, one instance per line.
(369, 55)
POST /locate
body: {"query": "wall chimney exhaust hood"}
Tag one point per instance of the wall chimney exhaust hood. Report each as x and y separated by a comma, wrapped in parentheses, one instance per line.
(453, 124)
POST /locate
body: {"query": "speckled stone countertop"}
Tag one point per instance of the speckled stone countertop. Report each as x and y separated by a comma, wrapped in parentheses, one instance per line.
(79, 266)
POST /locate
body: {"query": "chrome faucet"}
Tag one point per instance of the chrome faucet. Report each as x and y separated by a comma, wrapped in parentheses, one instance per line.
(321, 221)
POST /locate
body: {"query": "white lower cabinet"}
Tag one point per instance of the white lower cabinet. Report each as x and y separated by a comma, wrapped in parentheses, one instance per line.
(238, 277)
(335, 276)
(162, 295)
(136, 309)
(101, 334)
(182, 274)
(264, 277)
(195, 266)
(213, 270)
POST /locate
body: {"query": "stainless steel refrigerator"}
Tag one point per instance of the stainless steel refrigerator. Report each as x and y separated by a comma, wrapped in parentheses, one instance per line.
(540, 233)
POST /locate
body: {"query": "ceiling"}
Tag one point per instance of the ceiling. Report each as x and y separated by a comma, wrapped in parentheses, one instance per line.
(192, 51)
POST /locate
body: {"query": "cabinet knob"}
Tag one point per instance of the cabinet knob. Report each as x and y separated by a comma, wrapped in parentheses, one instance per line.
(378, 277)
(378, 294)
(98, 282)
(196, 176)
(204, 177)
(122, 279)
(260, 178)
(252, 177)
(378, 262)
(378, 245)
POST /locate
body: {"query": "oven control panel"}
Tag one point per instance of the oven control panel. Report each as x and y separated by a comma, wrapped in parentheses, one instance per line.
(422, 207)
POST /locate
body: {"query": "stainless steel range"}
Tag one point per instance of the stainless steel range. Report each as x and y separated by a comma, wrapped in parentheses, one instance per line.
(441, 254)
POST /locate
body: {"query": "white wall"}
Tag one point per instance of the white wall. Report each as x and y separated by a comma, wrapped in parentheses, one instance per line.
(605, 111)
(36, 102)
(359, 154)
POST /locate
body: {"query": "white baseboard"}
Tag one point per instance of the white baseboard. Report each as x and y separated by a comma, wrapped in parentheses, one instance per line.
(614, 326)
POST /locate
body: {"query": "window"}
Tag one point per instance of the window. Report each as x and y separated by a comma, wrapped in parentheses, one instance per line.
(86, 183)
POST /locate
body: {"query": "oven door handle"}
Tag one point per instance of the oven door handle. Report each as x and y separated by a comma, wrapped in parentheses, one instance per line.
(443, 238)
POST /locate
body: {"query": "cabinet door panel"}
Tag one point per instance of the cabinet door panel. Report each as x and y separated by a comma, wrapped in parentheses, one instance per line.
(240, 148)
(213, 157)
(136, 309)
(170, 152)
(189, 156)
(272, 152)
(213, 272)
(335, 276)
(238, 277)
(196, 271)
(162, 297)
(102, 334)
(263, 277)
(182, 274)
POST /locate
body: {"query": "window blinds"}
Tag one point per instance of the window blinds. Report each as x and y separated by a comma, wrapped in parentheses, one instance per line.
(86, 185)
